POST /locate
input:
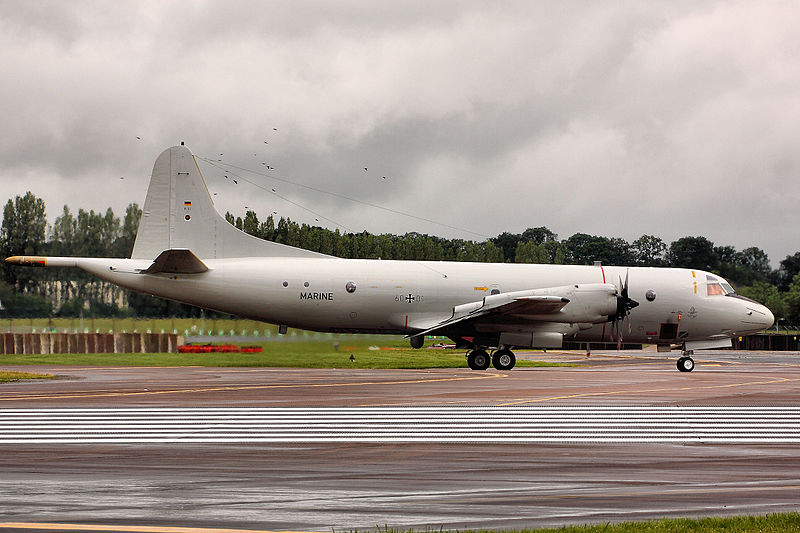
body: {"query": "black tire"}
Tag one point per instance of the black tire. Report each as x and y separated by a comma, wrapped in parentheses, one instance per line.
(478, 360)
(685, 364)
(504, 359)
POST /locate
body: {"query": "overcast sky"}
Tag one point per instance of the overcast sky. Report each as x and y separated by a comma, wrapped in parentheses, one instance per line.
(610, 118)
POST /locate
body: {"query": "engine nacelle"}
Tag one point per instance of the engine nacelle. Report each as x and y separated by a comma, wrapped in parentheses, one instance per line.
(590, 303)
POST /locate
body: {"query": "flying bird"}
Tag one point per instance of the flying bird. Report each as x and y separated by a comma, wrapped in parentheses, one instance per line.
(265, 142)
(365, 169)
(236, 182)
(138, 137)
(121, 177)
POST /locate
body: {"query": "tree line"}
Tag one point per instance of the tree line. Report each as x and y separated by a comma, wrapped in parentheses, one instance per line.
(69, 292)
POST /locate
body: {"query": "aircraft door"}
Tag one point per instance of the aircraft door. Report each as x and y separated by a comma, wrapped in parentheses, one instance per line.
(494, 288)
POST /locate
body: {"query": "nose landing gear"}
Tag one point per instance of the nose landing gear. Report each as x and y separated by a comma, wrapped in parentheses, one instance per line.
(685, 364)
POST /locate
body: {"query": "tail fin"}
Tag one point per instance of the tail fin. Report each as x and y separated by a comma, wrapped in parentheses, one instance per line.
(179, 213)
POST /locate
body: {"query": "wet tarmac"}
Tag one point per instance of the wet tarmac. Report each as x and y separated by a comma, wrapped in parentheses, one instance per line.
(328, 485)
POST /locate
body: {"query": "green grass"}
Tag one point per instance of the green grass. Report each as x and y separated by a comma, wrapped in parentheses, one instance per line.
(6, 376)
(305, 354)
(300, 349)
(771, 523)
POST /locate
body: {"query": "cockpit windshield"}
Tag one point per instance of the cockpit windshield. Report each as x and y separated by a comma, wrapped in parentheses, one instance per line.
(718, 287)
(728, 288)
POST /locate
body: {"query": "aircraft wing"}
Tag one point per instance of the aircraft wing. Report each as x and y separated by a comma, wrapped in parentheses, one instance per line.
(514, 306)
(176, 261)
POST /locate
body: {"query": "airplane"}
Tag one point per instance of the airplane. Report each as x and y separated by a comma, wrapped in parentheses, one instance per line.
(186, 251)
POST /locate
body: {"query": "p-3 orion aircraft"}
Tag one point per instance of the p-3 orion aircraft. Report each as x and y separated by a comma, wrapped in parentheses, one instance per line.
(186, 251)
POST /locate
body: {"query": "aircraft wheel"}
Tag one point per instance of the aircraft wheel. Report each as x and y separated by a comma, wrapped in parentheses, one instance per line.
(478, 359)
(503, 359)
(685, 364)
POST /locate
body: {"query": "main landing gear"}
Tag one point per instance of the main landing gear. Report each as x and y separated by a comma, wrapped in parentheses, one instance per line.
(502, 359)
(686, 363)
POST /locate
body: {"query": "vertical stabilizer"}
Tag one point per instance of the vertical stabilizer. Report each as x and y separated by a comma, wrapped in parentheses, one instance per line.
(179, 213)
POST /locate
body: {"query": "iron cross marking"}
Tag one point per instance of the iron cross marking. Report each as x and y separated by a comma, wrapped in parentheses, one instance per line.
(409, 298)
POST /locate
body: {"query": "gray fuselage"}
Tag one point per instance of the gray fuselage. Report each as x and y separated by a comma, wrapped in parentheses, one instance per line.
(409, 296)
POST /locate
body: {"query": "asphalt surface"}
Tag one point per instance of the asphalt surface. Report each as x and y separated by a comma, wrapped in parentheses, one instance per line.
(320, 486)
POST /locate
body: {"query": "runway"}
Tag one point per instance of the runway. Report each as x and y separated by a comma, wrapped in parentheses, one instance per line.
(445, 425)
(626, 378)
(624, 436)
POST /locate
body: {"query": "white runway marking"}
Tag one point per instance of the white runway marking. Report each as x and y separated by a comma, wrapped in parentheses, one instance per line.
(525, 424)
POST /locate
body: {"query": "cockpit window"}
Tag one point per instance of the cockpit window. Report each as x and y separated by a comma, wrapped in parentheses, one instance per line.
(728, 288)
(718, 287)
(715, 289)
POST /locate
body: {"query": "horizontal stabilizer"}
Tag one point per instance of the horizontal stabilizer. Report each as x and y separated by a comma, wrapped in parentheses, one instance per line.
(176, 261)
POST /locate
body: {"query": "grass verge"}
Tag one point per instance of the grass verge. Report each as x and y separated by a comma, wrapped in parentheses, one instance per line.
(306, 354)
(771, 523)
(6, 376)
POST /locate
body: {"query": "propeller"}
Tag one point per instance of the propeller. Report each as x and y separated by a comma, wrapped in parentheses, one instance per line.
(624, 305)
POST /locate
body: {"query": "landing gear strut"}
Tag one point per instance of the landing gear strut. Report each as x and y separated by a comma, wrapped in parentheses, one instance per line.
(478, 359)
(503, 359)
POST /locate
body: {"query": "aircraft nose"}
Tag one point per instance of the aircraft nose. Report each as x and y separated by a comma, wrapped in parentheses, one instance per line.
(768, 318)
(759, 316)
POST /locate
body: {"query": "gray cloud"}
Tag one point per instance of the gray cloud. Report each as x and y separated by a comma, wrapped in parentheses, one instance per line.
(615, 119)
